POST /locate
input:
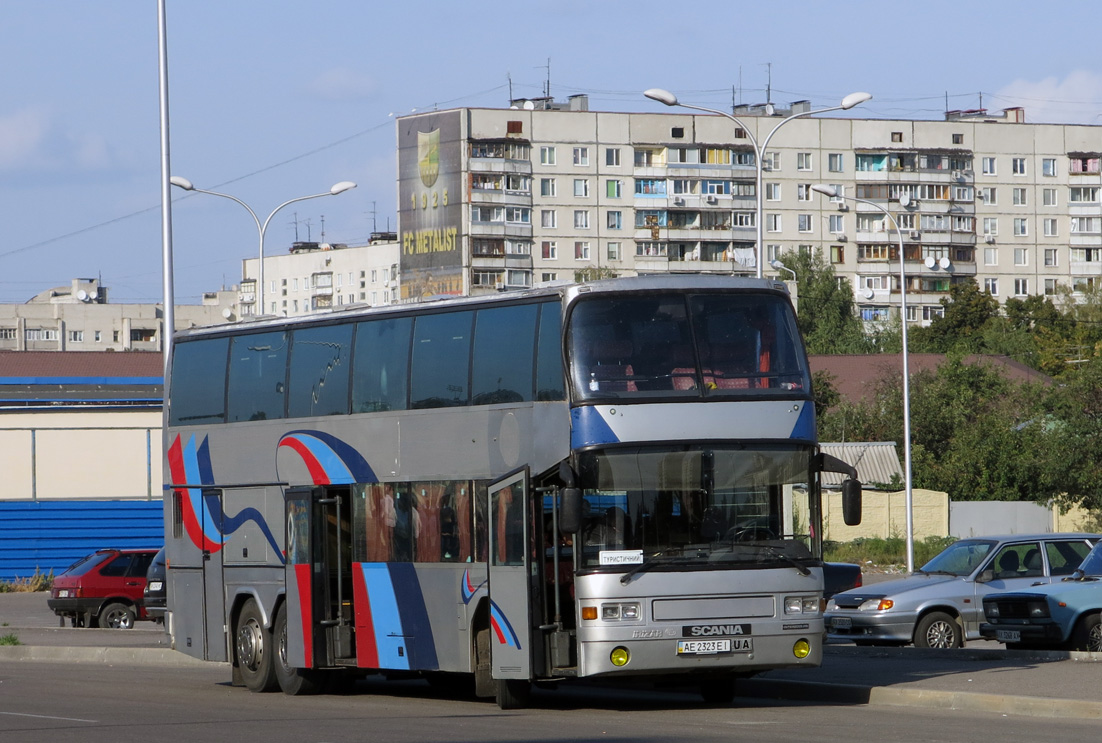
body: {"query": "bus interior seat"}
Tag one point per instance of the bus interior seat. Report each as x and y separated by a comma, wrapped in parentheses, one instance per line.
(612, 369)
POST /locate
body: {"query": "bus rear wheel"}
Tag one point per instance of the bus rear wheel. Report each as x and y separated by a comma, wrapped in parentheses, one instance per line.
(253, 648)
(293, 681)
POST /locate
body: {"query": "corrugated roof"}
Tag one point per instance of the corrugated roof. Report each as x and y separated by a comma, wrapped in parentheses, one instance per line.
(876, 462)
(80, 364)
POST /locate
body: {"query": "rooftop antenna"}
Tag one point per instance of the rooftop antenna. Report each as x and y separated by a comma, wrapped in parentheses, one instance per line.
(323, 228)
(295, 223)
(769, 83)
(307, 223)
(509, 77)
(547, 85)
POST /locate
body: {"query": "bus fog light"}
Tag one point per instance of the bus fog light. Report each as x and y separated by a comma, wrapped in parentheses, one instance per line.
(620, 656)
(802, 648)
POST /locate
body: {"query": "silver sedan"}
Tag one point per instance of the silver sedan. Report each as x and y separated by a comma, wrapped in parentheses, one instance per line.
(940, 605)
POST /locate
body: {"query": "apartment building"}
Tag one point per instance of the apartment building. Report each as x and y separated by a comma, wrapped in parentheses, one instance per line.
(78, 317)
(318, 276)
(498, 199)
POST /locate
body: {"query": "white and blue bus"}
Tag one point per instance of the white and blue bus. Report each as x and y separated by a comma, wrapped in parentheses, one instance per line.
(611, 479)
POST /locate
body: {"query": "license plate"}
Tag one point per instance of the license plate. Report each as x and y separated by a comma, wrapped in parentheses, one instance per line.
(63, 594)
(712, 647)
(1008, 635)
(841, 622)
(155, 585)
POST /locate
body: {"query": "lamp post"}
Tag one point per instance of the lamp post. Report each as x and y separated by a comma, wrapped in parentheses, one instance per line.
(781, 267)
(187, 185)
(833, 193)
(668, 98)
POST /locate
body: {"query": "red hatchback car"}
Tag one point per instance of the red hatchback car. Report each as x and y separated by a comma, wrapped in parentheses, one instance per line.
(103, 589)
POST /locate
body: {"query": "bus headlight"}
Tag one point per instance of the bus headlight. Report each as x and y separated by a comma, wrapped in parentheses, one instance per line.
(802, 648)
(620, 656)
(620, 612)
(801, 604)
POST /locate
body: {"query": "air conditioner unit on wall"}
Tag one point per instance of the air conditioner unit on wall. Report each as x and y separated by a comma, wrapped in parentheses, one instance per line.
(843, 207)
(678, 201)
(840, 238)
(711, 199)
(915, 234)
(989, 239)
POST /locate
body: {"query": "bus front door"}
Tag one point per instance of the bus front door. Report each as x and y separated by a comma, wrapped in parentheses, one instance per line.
(510, 565)
(319, 579)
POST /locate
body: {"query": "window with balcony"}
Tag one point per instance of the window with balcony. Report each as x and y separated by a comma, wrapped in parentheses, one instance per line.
(518, 215)
(1083, 195)
(650, 187)
(647, 157)
(1084, 164)
(486, 181)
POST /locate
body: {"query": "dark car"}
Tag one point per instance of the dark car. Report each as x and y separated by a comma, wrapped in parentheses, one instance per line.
(155, 597)
(1062, 614)
(103, 589)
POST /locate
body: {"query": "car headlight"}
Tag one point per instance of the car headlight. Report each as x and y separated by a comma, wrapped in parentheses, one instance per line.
(1037, 609)
(991, 611)
(801, 604)
(831, 605)
(880, 604)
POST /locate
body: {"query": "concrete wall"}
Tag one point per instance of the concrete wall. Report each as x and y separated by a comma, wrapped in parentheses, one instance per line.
(99, 454)
(885, 515)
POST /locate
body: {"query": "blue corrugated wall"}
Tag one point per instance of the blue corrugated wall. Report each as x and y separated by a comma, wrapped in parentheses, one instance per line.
(52, 535)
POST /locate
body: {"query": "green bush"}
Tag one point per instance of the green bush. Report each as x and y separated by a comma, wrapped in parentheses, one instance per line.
(9, 639)
(884, 553)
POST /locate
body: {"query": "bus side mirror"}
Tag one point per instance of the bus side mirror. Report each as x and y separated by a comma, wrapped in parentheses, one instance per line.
(570, 510)
(851, 501)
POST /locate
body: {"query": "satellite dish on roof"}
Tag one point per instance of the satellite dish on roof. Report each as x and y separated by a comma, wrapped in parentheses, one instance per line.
(868, 294)
(529, 106)
(944, 262)
(82, 295)
(93, 294)
(930, 261)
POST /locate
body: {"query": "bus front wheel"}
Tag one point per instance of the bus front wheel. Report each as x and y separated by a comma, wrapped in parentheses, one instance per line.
(253, 648)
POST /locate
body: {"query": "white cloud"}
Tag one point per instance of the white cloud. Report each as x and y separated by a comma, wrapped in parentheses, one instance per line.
(21, 136)
(342, 83)
(91, 151)
(1075, 99)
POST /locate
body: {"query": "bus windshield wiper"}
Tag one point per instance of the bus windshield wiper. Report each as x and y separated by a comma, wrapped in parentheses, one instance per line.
(780, 555)
(648, 564)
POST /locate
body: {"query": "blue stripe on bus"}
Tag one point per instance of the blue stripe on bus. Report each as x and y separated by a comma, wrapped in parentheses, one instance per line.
(385, 616)
(805, 424)
(588, 427)
(420, 646)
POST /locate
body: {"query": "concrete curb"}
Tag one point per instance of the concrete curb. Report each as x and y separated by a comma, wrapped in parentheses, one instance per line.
(897, 696)
(109, 656)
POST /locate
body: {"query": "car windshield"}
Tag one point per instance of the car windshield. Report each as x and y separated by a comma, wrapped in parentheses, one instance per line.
(1092, 563)
(84, 564)
(960, 558)
(719, 507)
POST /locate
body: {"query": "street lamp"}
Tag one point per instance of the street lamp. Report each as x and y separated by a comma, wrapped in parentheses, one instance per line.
(833, 193)
(781, 267)
(668, 98)
(187, 185)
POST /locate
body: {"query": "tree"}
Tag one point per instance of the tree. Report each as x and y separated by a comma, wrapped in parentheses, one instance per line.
(825, 311)
(967, 311)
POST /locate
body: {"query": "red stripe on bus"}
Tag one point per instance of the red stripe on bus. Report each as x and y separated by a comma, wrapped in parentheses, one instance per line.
(302, 579)
(317, 472)
(367, 651)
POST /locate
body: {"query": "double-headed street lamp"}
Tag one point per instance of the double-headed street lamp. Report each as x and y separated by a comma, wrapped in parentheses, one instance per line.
(668, 98)
(187, 185)
(833, 193)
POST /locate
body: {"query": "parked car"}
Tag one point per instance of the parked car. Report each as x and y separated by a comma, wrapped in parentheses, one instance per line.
(840, 576)
(103, 589)
(155, 595)
(1061, 614)
(940, 605)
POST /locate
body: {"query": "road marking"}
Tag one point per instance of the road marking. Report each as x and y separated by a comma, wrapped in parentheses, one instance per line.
(46, 717)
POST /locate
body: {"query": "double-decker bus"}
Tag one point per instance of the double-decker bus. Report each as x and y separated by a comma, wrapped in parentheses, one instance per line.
(611, 479)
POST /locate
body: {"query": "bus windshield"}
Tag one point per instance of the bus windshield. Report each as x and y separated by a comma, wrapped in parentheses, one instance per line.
(685, 345)
(726, 507)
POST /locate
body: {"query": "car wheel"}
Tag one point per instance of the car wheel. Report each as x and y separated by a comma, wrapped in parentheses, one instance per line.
(938, 630)
(253, 647)
(116, 616)
(1087, 636)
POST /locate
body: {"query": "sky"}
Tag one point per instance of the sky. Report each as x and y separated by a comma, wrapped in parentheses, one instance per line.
(270, 100)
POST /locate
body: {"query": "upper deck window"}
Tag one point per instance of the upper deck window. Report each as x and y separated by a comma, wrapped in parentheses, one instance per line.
(702, 345)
